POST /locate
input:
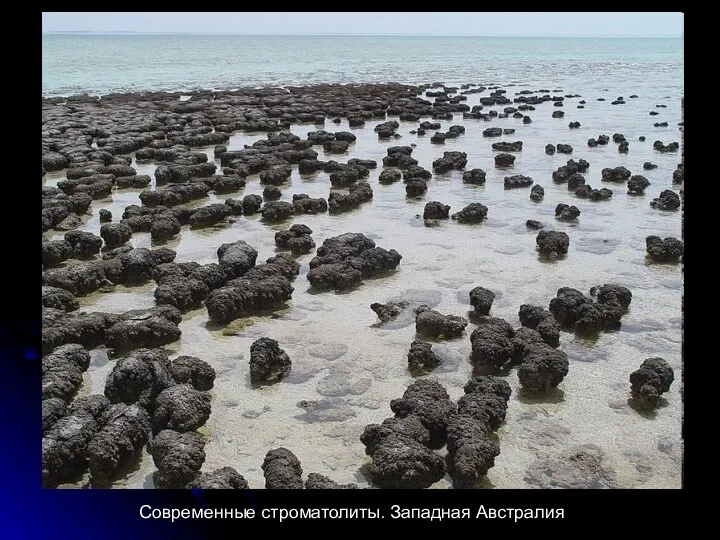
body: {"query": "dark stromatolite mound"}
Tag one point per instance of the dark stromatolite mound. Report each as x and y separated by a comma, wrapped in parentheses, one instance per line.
(180, 286)
(474, 176)
(304, 204)
(124, 434)
(617, 174)
(138, 377)
(388, 312)
(653, 378)
(400, 457)
(251, 204)
(62, 371)
(136, 181)
(552, 242)
(431, 323)
(115, 234)
(224, 184)
(282, 470)
(565, 212)
(471, 449)
(573, 310)
(276, 211)
(430, 402)
(207, 216)
(504, 160)
(153, 327)
(564, 148)
(357, 194)
(386, 129)
(537, 193)
(400, 157)
(637, 184)
(667, 200)
(180, 408)
(416, 172)
(550, 149)
(450, 161)
(534, 224)
(505, 146)
(264, 287)
(236, 258)
(55, 252)
(97, 186)
(648, 166)
(575, 181)
(275, 175)
(543, 367)
(175, 194)
(318, 481)
(60, 327)
(389, 176)
(669, 249)
(166, 226)
(415, 187)
(421, 358)
(178, 457)
(492, 132)
(83, 244)
(268, 362)
(481, 300)
(192, 370)
(297, 239)
(517, 181)
(224, 478)
(491, 342)
(679, 174)
(64, 447)
(659, 146)
(52, 410)
(587, 192)
(344, 261)
(472, 213)
(542, 321)
(436, 210)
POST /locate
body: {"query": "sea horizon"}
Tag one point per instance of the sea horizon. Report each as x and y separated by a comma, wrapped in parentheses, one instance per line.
(343, 34)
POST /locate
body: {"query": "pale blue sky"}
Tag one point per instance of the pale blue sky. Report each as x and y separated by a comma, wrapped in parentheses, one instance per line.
(545, 24)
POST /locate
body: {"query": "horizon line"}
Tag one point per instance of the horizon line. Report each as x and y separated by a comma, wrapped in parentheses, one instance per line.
(337, 34)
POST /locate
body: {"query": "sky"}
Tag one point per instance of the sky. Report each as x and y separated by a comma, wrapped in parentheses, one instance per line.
(540, 24)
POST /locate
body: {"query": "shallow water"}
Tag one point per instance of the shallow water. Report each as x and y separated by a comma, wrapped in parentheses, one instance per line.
(352, 367)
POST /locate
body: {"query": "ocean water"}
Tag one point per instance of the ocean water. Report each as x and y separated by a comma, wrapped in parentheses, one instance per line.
(100, 64)
(342, 359)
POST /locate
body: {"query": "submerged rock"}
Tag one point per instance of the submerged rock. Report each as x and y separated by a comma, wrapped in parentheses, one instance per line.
(388, 312)
(431, 323)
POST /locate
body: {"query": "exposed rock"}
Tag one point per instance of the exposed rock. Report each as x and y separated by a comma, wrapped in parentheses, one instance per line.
(178, 457)
(669, 249)
(552, 242)
(268, 362)
(282, 470)
(431, 323)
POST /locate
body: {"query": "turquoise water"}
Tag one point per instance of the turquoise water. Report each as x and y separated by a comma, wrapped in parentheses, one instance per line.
(104, 63)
